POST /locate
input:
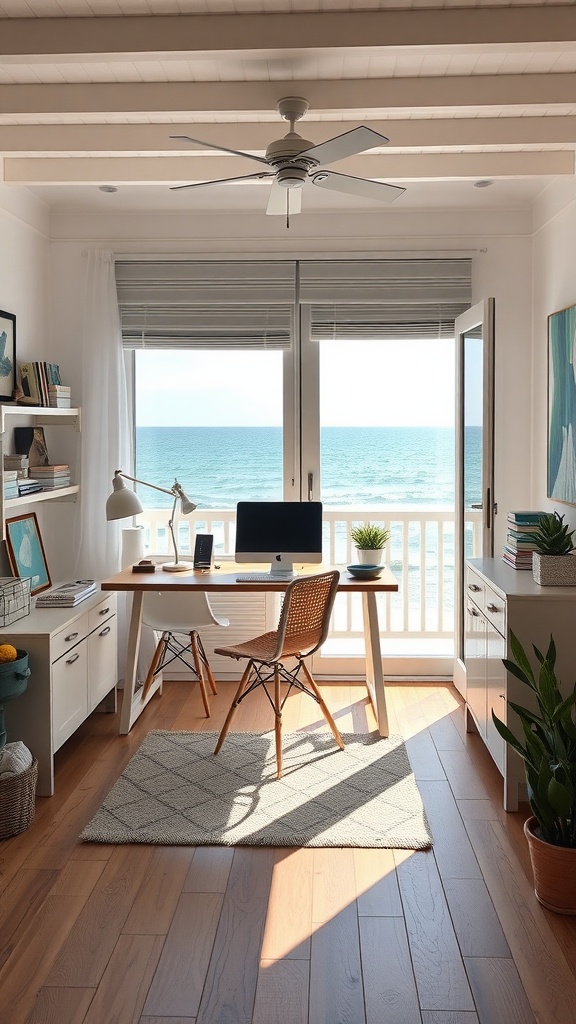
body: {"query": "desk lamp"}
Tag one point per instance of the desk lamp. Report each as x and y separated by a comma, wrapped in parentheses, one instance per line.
(124, 502)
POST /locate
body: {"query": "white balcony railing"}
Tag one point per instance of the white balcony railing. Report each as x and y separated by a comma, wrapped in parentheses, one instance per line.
(420, 553)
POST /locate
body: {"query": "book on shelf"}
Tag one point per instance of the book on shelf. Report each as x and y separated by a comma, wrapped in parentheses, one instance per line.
(520, 540)
(29, 487)
(39, 380)
(66, 595)
(525, 518)
(56, 484)
(60, 470)
(517, 559)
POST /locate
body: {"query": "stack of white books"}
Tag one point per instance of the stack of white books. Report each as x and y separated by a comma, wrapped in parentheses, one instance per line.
(52, 477)
(67, 595)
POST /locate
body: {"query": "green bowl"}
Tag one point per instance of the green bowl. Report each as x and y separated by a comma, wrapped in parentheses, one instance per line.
(14, 677)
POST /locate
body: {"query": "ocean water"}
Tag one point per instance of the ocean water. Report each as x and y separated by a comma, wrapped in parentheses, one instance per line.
(360, 466)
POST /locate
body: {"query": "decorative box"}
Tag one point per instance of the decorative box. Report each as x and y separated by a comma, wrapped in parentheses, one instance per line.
(14, 598)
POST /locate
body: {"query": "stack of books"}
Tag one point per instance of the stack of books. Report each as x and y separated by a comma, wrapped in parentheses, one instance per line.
(10, 484)
(67, 595)
(59, 396)
(29, 486)
(36, 379)
(519, 546)
(52, 477)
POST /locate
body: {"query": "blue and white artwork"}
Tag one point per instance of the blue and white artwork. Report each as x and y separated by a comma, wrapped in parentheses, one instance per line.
(562, 406)
(26, 552)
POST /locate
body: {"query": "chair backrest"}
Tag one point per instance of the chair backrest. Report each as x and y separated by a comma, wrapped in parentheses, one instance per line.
(305, 616)
(179, 612)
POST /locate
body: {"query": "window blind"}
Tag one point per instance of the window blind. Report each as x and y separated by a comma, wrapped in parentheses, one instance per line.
(192, 304)
(412, 298)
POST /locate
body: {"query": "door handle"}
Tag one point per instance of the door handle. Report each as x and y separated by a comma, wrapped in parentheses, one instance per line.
(310, 486)
(478, 504)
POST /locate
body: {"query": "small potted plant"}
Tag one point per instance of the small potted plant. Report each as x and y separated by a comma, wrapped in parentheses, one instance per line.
(370, 541)
(553, 564)
(549, 756)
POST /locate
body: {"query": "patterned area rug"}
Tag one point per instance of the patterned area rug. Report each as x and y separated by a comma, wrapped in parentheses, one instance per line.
(174, 791)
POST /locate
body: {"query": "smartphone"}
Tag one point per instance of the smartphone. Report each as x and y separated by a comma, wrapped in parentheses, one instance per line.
(203, 550)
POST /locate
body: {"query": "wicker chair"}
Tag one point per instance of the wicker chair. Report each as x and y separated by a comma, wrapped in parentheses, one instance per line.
(302, 629)
(177, 618)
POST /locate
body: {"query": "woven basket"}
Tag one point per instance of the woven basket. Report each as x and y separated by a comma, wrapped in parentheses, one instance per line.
(17, 801)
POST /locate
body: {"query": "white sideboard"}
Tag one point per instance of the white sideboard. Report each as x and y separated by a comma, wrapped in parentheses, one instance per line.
(73, 669)
(500, 599)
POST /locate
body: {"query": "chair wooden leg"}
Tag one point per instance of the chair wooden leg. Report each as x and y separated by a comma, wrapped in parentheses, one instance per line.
(278, 721)
(206, 664)
(199, 673)
(157, 656)
(323, 707)
(243, 684)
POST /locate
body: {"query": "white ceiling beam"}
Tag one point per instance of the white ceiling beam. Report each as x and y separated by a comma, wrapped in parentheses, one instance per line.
(77, 38)
(177, 170)
(454, 93)
(255, 137)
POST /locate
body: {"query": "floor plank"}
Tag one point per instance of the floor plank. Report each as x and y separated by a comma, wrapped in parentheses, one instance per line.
(389, 983)
(336, 989)
(282, 992)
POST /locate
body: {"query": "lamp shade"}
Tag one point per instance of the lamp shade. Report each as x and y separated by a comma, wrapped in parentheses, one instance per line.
(123, 502)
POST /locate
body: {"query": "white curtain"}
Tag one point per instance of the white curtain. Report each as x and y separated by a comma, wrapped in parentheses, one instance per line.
(105, 438)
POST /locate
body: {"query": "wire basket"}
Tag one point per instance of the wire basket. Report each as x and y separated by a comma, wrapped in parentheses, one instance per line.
(17, 801)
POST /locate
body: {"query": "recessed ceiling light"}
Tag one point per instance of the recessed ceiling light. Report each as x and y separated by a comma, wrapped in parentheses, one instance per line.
(484, 183)
(107, 188)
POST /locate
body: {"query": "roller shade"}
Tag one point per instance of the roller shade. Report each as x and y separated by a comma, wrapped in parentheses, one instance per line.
(191, 304)
(385, 298)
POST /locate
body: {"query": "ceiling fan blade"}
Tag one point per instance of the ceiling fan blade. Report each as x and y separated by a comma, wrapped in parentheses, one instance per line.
(363, 187)
(222, 149)
(357, 140)
(225, 181)
(278, 203)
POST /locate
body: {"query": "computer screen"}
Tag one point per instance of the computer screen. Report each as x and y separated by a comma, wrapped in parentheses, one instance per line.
(279, 532)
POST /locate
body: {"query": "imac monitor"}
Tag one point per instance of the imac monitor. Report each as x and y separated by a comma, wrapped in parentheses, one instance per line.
(279, 532)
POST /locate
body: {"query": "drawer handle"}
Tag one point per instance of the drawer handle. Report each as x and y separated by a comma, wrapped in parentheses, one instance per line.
(474, 587)
(105, 631)
(472, 611)
(70, 661)
(104, 611)
(492, 608)
(70, 637)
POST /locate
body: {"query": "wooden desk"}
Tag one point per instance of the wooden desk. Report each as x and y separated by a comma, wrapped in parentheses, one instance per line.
(223, 581)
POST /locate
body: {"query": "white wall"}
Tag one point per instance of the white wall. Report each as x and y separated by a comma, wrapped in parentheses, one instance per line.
(554, 288)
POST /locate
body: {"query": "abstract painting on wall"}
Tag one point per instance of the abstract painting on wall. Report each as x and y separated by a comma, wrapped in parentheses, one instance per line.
(562, 405)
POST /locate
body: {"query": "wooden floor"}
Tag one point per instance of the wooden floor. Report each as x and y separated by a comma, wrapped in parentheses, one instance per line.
(181, 935)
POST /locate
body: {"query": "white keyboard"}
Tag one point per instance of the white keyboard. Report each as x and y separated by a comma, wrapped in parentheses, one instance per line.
(264, 577)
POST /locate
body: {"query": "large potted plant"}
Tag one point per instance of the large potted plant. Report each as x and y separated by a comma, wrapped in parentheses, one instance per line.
(370, 541)
(553, 561)
(548, 751)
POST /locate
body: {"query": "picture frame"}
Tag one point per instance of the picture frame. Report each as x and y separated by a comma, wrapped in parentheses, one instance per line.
(561, 474)
(26, 551)
(7, 355)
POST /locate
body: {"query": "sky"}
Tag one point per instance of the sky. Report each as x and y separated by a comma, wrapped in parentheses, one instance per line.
(366, 383)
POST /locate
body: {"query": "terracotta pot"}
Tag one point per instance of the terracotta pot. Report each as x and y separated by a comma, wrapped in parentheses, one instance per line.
(554, 870)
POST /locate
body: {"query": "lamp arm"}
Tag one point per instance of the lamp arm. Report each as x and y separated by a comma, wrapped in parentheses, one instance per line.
(171, 528)
(120, 472)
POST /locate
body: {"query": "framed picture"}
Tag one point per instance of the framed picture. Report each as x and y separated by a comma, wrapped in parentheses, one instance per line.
(562, 406)
(7, 354)
(26, 551)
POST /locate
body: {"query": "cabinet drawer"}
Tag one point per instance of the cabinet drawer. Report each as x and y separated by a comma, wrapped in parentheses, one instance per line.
(69, 693)
(495, 610)
(103, 611)
(475, 587)
(68, 637)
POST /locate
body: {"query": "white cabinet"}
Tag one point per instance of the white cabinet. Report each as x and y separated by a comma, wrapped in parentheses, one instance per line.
(72, 660)
(500, 599)
(22, 415)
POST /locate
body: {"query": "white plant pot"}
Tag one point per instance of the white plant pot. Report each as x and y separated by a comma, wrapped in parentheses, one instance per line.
(554, 570)
(369, 556)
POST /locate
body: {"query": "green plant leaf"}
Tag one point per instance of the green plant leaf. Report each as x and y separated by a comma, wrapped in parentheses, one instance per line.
(559, 798)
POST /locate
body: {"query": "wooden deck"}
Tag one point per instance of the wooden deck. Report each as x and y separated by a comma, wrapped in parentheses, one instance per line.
(178, 935)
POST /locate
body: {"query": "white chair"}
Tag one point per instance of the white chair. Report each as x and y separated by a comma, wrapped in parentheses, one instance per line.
(177, 617)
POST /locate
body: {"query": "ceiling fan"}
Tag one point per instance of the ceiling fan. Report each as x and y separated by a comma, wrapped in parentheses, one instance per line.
(294, 162)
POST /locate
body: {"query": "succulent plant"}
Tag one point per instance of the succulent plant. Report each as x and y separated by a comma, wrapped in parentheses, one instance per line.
(552, 536)
(369, 536)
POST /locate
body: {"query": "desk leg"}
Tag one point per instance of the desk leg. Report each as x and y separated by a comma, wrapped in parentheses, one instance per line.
(132, 704)
(374, 674)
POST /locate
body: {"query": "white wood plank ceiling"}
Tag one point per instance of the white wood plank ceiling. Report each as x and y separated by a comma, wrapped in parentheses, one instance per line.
(90, 93)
